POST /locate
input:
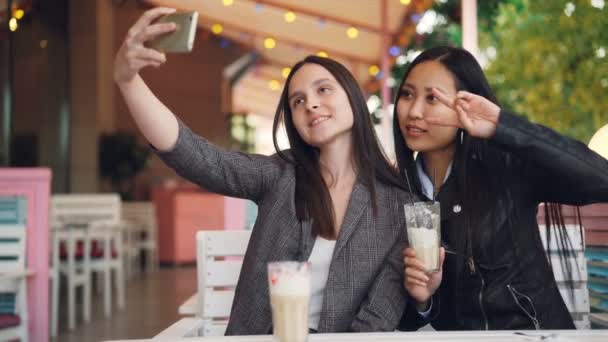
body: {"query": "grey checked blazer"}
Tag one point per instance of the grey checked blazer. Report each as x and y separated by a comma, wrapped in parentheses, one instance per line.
(364, 290)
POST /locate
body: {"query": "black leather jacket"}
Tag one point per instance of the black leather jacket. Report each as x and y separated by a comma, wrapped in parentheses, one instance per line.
(515, 287)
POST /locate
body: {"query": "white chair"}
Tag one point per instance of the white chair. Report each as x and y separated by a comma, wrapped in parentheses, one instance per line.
(140, 234)
(217, 275)
(13, 280)
(218, 265)
(110, 235)
(86, 218)
(77, 273)
(577, 301)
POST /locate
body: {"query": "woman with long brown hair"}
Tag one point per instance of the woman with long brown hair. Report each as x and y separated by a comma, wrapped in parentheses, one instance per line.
(332, 198)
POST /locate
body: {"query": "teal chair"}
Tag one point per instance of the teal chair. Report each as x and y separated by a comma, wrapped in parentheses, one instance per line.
(13, 271)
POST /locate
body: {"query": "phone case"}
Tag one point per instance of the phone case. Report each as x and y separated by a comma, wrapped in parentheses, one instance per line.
(180, 40)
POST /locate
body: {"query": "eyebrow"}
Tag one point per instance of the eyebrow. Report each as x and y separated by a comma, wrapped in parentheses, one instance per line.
(316, 82)
(428, 89)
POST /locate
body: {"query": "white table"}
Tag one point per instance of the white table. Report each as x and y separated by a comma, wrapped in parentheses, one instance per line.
(431, 336)
(188, 308)
(600, 319)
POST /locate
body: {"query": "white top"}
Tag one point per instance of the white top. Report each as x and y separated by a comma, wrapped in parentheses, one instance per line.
(320, 259)
(425, 180)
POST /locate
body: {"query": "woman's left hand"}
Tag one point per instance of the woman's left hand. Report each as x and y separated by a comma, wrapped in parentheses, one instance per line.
(476, 114)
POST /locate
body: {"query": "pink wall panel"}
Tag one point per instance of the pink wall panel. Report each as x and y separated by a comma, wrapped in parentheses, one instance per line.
(182, 211)
(35, 185)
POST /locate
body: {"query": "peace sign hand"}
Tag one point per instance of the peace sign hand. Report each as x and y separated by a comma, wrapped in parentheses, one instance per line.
(133, 55)
(476, 114)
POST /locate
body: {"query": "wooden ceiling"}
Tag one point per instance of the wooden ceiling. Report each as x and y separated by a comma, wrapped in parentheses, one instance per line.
(319, 26)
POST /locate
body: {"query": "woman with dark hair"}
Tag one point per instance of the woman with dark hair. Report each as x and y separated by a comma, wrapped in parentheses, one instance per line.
(332, 199)
(489, 169)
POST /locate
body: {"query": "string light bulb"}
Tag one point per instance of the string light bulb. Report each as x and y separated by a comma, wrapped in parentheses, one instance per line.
(373, 70)
(322, 54)
(12, 24)
(269, 43)
(285, 72)
(352, 32)
(394, 51)
(405, 2)
(217, 28)
(228, 2)
(289, 16)
(19, 14)
(274, 85)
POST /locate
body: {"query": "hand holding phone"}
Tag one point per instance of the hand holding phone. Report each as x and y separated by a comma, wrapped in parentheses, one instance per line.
(182, 39)
(156, 27)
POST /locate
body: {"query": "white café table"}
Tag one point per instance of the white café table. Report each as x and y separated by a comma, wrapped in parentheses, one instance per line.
(188, 308)
(426, 336)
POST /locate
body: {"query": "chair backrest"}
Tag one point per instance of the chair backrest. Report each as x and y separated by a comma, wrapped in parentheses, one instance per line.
(12, 248)
(12, 210)
(12, 233)
(219, 261)
(577, 301)
(12, 260)
(85, 208)
(140, 212)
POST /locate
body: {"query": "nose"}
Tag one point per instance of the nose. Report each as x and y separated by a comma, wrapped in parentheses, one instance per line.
(312, 103)
(416, 110)
(312, 107)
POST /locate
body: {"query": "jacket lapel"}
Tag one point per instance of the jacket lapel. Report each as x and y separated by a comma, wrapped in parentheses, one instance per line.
(288, 246)
(308, 241)
(357, 205)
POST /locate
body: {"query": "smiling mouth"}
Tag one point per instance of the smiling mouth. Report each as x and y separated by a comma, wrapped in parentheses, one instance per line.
(415, 130)
(319, 120)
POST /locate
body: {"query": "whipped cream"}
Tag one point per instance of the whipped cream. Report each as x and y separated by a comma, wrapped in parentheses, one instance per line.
(289, 280)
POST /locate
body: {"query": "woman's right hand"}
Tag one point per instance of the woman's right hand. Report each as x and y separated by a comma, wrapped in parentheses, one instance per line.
(133, 55)
(419, 284)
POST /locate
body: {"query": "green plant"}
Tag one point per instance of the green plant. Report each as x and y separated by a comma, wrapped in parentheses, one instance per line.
(121, 158)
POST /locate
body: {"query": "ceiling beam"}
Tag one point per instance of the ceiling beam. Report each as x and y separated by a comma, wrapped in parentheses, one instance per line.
(311, 13)
(286, 40)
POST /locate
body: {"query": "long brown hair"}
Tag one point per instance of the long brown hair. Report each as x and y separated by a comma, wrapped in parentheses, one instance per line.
(312, 198)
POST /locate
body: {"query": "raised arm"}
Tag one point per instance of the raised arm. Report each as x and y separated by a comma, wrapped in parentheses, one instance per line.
(157, 123)
(191, 156)
(558, 168)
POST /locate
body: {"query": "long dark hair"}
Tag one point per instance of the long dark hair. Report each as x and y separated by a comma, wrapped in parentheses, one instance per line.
(312, 198)
(480, 166)
(476, 161)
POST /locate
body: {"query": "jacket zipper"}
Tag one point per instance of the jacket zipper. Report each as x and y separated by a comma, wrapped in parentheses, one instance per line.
(480, 296)
(532, 318)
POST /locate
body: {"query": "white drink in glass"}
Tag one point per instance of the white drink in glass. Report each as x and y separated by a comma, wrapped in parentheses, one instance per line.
(426, 245)
(423, 220)
(289, 285)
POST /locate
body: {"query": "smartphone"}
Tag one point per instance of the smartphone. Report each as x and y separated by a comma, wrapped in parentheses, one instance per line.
(182, 39)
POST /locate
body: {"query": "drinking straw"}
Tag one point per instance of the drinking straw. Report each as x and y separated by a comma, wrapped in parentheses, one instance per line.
(407, 178)
(434, 181)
